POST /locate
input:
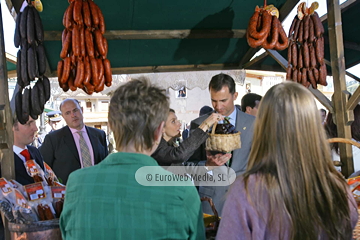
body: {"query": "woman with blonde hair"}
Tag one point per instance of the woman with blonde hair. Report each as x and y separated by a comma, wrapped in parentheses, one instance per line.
(168, 152)
(290, 189)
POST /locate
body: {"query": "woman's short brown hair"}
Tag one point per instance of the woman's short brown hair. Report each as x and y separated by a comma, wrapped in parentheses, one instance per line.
(136, 110)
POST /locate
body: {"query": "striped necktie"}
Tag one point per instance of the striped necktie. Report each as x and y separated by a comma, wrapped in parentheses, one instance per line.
(85, 153)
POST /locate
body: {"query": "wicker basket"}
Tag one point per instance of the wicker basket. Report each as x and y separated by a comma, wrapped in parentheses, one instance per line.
(222, 142)
(211, 221)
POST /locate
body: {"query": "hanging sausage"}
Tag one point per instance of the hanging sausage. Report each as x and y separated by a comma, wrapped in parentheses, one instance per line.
(306, 51)
(31, 64)
(265, 29)
(84, 49)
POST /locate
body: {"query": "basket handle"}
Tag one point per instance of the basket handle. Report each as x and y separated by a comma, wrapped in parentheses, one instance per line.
(216, 225)
(213, 128)
(344, 140)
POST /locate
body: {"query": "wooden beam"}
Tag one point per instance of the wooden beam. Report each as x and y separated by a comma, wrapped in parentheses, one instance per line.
(160, 34)
(340, 98)
(322, 99)
(256, 60)
(11, 58)
(247, 56)
(12, 74)
(287, 8)
(6, 122)
(278, 58)
(354, 100)
(171, 68)
(352, 76)
(348, 45)
(344, 6)
(250, 75)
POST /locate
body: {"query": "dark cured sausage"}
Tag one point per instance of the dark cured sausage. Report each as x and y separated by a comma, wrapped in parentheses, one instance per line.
(86, 14)
(94, 13)
(41, 212)
(39, 31)
(79, 74)
(322, 75)
(299, 76)
(77, 12)
(301, 32)
(254, 43)
(294, 54)
(99, 42)
(318, 27)
(30, 28)
(272, 39)
(82, 42)
(66, 70)
(101, 21)
(23, 23)
(66, 45)
(303, 77)
(60, 70)
(76, 41)
(87, 75)
(89, 43)
(100, 66)
(283, 40)
(63, 36)
(288, 73)
(312, 56)
(312, 78)
(18, 70)
(105, 43)
(101, 85)
(265, 23)
(306, 27)
(311, 30)
(94, 72)
(64, 17)
(295, 75)
(108, 73)
(48, 214)
(69, 16)
(306, 55)
(319, 50)
(71, 82)
(292, 27)
(300, 63)
(17, 36)
(289, 57)
(296, 28)
(316, 74)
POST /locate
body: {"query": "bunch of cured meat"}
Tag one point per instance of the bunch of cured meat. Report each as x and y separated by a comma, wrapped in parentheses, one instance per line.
(31, 65)
(306, 51)
(84, 49)
(265, 29)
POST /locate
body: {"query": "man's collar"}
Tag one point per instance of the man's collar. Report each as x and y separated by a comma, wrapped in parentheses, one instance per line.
(18, 150)
(73, 130)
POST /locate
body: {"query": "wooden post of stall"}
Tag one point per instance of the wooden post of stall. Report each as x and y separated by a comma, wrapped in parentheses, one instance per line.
(343, 117)
(6, 122)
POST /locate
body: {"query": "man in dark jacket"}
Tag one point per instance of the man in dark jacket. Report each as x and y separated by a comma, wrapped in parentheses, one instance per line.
(74, 146)
(23, 136)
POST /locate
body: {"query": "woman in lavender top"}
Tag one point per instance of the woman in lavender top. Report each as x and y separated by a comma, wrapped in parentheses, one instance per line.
(290, 189)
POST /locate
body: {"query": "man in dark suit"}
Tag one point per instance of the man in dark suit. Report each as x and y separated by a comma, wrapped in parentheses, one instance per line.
(74, 146)
(223, 95)
(23, 136)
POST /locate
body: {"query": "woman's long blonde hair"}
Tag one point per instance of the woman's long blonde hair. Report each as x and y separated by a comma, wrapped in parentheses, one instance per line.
(291, 157)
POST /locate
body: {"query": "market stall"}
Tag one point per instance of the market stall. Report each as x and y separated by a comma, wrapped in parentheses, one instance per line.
(165, 36)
